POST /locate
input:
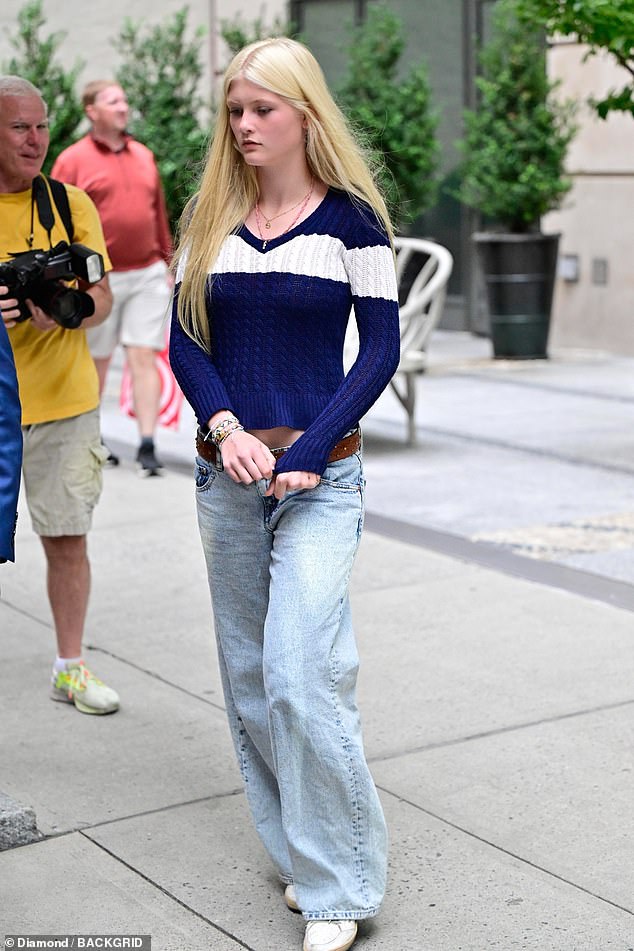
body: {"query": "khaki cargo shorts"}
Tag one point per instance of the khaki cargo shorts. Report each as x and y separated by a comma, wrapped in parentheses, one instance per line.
(62, 468)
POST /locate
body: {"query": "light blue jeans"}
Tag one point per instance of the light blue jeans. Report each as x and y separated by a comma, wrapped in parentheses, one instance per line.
(278, 575)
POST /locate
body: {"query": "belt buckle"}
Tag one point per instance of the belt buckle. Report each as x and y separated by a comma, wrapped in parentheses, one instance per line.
(279, 451)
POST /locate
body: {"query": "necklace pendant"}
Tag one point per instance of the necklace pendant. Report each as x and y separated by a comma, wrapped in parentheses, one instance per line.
(267, 224)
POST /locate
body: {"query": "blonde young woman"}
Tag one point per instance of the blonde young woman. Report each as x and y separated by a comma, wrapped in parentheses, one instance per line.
(287, 233)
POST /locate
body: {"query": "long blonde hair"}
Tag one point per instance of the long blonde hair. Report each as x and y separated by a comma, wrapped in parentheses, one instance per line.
(228, 186)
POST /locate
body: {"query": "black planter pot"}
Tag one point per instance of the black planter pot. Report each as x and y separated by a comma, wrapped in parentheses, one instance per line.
(519, 271)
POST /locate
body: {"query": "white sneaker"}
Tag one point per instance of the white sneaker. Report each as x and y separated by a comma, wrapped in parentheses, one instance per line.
(330, 935)
(290, 898)
(77, 684)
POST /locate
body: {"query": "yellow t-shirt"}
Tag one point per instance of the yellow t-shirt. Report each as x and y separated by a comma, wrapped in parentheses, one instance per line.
(56, 373)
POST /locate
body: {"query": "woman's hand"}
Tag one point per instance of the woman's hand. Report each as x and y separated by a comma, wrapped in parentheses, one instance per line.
(290, 482)
(245, 458)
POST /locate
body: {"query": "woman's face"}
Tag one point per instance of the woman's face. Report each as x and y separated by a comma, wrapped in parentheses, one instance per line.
(267, 129)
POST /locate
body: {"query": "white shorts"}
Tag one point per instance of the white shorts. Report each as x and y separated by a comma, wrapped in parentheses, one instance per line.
(139, 312)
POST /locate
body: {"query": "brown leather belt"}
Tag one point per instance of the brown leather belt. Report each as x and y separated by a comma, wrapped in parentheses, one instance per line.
(344, 448)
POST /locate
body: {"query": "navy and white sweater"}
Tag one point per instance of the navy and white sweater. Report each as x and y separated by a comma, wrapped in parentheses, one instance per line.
(278, 320)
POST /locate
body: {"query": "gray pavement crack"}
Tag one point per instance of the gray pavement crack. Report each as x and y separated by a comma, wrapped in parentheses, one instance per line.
(170, 895)
(168, 807)
(500, 731)
(155, 676)
(27, 614)
(505, 851)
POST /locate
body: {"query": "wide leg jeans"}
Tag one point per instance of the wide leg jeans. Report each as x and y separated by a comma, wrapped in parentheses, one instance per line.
(278, 575)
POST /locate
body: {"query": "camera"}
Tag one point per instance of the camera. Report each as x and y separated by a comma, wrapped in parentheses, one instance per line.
(38, 276)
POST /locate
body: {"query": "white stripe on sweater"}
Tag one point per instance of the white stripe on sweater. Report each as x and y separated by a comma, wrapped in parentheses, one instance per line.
(369, 271)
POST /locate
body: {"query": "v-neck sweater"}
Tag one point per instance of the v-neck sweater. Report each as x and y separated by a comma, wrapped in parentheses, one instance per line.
(278, 315)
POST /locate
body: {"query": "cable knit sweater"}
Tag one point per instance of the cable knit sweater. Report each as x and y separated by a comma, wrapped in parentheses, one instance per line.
(278, 318)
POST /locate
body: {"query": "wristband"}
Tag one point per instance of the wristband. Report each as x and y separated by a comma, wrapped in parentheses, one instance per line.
(226, 424)
(220, 433)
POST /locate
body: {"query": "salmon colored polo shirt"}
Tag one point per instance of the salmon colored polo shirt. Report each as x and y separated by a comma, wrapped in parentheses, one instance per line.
(126, 188)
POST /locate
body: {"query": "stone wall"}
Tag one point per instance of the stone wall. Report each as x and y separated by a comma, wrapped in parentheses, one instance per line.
(90, 27)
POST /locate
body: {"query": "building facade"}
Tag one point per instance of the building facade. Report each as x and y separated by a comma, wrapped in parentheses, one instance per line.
(594, 299)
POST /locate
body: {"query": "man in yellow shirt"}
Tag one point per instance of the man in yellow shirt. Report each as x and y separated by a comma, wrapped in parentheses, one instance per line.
(59, 391)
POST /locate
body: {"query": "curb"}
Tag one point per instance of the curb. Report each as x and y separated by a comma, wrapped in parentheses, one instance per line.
(17, 824)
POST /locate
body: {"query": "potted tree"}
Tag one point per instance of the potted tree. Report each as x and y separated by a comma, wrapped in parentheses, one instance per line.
(391, 108)
(513, 173)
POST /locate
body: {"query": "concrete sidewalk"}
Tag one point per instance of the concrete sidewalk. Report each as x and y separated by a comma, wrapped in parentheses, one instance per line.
(534, 457)
(498, 701)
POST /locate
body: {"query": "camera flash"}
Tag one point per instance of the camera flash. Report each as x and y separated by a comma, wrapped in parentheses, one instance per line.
(94, 268)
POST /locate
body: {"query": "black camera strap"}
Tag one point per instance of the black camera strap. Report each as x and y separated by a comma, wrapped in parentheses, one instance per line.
(41, 198)
(60, 197)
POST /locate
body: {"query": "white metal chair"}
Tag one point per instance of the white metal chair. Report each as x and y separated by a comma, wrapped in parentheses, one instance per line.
(419, 314)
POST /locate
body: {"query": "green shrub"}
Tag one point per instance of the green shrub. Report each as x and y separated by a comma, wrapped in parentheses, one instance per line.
(35, 60)
(516, 140)
(160, 73)
(237, 33)
(602, 25)
(392, 114)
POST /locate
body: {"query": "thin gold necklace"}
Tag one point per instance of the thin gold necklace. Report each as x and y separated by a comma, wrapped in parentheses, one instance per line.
(259, 215)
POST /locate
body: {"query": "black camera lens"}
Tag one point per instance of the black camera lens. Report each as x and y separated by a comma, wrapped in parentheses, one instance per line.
(65, 305)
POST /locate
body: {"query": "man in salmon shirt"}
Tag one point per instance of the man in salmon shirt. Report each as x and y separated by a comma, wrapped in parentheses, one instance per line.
(121, 177)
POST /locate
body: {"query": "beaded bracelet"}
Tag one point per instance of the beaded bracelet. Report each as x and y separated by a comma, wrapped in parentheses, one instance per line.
(218, 429)
(224, 428)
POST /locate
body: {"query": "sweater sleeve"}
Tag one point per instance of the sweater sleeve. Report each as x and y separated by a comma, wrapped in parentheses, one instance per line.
(195, 372)
(372, 279)
(10, 447)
